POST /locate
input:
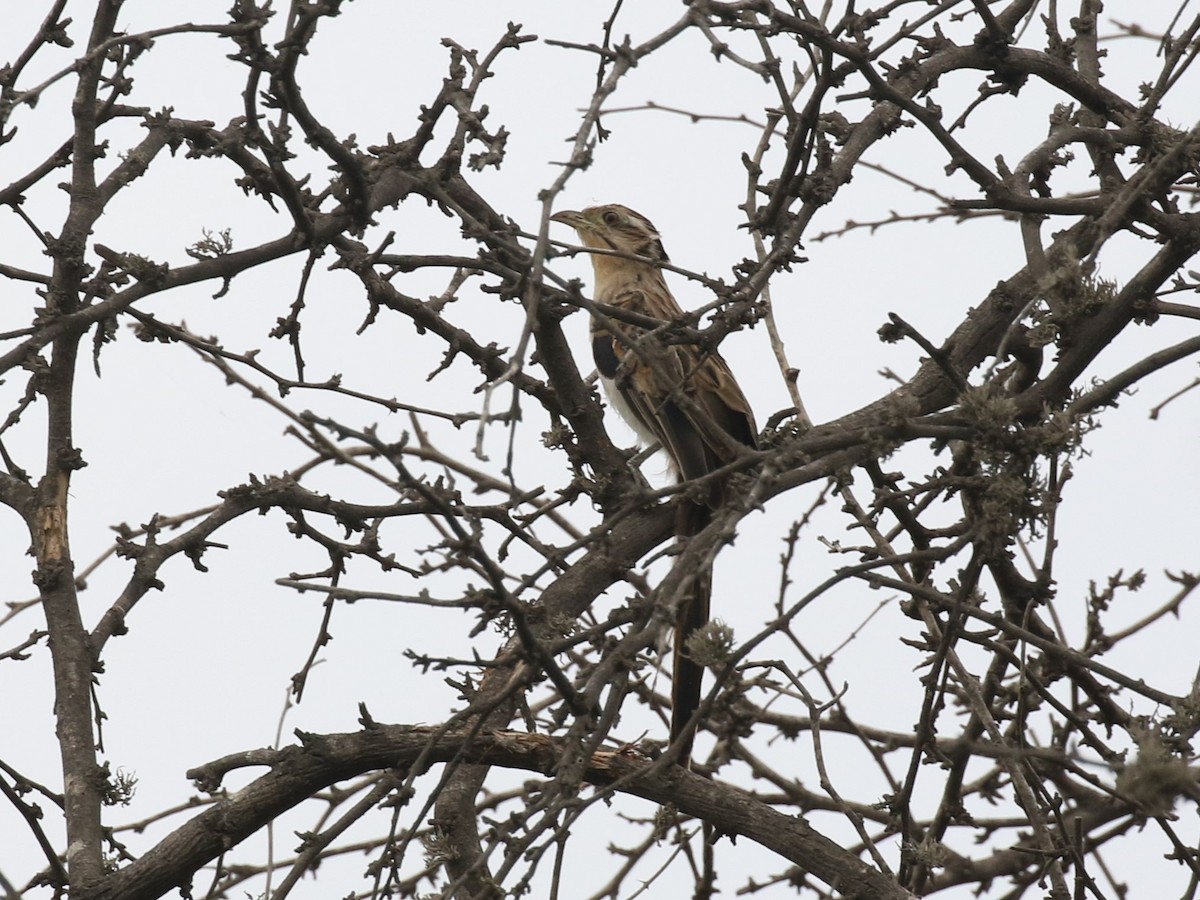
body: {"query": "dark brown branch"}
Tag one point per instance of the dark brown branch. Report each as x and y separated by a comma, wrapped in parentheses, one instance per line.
(318, 761)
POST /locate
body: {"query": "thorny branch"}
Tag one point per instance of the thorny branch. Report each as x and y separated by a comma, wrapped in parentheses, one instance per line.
(1031, 747)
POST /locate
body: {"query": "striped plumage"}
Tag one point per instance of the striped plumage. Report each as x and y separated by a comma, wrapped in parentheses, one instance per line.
(646, 383)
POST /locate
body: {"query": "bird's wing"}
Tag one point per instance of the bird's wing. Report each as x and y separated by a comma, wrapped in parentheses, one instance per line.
(712, 384)
(645, 391)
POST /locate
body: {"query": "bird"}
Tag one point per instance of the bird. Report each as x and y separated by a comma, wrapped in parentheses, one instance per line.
(665, 393)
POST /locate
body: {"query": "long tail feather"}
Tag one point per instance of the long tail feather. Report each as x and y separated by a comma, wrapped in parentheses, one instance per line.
(691, 616)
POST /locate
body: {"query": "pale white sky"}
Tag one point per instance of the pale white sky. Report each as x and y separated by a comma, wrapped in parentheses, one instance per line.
(206, 667)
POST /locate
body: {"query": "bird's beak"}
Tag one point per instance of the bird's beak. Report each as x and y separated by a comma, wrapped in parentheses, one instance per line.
(571, 217)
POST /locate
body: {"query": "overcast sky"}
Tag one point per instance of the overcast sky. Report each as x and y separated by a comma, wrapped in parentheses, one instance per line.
(207, 668)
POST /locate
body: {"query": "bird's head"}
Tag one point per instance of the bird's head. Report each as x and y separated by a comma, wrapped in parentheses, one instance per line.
(614, 227)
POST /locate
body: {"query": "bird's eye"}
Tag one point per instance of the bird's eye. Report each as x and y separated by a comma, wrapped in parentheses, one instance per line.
(611, 217)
